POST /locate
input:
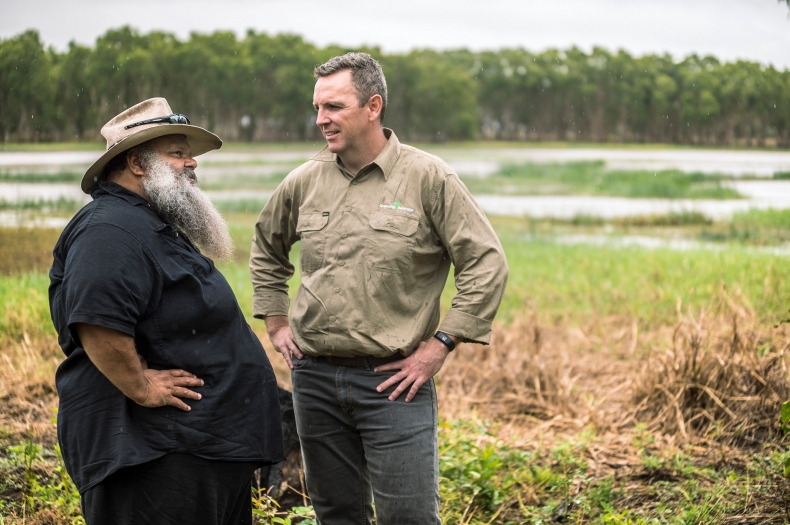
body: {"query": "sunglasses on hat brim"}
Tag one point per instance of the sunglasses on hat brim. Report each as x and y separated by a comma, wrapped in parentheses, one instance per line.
(176, 118)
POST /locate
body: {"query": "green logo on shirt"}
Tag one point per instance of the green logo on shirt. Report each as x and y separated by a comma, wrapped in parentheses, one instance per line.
(396, 206)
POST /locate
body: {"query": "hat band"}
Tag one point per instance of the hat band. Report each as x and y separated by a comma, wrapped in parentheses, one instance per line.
(176, 118)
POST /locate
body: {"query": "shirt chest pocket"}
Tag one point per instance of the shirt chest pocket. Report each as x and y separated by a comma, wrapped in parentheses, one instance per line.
(389, 243)
(311, 229)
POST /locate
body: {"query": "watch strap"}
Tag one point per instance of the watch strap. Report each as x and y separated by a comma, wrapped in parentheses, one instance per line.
(444, 338)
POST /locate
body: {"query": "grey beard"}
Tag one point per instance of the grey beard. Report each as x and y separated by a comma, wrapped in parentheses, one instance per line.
(180, 202)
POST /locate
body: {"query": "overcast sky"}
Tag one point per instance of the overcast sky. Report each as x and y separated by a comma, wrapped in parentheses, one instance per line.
(729, 29)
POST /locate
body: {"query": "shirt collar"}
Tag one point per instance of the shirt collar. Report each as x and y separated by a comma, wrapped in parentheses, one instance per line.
(385, 160)
(106, 187)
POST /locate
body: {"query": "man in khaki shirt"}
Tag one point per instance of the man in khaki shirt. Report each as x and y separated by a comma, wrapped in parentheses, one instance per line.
(380, 224)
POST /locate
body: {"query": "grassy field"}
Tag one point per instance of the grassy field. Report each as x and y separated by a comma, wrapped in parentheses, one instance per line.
(593, 178)
(640, 386)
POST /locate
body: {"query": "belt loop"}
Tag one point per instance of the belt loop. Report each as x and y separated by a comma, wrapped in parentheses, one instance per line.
(367, 363)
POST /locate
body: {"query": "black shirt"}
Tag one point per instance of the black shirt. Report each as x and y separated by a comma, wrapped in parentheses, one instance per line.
(119, 265)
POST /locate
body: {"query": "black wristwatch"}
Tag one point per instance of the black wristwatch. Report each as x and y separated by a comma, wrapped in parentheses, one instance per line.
(444, 338)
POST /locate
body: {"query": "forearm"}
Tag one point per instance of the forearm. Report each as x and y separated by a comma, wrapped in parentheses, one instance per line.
(270, 265)
(481, 270)
(274, 323)
(115, 356)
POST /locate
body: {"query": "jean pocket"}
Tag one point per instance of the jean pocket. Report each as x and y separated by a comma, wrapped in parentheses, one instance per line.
(300, 362)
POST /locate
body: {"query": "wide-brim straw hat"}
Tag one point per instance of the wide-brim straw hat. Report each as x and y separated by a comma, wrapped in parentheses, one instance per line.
(124, 132)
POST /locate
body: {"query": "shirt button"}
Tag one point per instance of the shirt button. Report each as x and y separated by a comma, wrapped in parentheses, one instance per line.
(348, 208)
(333, 319)
(337, 290)
(390, 224)
(341, 263)
(307, 223)
(344, 235)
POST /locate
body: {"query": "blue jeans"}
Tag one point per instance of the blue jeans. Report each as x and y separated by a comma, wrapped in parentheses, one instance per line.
(358, 447)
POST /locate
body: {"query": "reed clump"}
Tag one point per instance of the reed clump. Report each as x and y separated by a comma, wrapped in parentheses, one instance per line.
(721, 378)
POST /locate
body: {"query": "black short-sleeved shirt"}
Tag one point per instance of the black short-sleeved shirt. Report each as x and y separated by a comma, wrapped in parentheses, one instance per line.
(119, 265)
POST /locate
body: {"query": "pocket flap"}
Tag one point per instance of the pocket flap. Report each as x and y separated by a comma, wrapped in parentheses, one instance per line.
(400, 224)
(309, 222)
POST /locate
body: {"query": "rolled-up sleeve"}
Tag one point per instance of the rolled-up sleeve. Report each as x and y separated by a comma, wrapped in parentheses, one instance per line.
(270, 265)
(481, 269)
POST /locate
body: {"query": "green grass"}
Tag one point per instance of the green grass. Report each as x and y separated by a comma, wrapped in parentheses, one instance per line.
(592, 178)
(575, 283)
(770, 219)
(44, 488)
(48, 178)
(24, 305)
(756, 227)
(240, 206)
(579, 282)
(58, 206)
(483, 480)
(565, 283)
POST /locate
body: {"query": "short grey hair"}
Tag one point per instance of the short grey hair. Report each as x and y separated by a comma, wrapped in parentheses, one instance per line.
(366, 75)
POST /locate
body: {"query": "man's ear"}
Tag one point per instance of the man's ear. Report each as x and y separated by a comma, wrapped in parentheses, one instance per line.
(374, 107)
(134, 161)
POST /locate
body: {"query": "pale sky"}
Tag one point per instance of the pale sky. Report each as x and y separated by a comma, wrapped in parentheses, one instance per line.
(757, 30)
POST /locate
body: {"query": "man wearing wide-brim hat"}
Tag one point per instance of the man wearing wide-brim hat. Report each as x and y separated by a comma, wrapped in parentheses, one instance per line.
(167, 400)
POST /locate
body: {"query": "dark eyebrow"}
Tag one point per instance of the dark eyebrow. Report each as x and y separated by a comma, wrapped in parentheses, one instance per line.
(331, 105)
(180, 149)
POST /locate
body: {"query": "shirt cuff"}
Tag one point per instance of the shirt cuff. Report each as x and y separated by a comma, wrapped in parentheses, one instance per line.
(472, 329)
(265, 304)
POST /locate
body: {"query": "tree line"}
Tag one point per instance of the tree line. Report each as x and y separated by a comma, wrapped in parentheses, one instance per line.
(259, 88)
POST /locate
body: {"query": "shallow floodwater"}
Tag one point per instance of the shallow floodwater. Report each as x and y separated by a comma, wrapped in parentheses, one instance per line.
(223, 167)
(655, 243)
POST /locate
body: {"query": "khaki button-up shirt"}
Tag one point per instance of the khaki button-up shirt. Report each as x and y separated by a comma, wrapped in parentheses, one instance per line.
(375, 252)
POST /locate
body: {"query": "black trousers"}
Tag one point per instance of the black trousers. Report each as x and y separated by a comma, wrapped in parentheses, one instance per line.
(174, 489)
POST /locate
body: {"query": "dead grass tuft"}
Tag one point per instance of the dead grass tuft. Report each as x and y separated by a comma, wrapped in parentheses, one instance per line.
(541, 377)
(722, 377)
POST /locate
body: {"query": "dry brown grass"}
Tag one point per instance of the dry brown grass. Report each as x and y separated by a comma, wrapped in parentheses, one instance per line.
(26, 249)
(710, 387)
(723, 380)
(28, 398)
(718, 375)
